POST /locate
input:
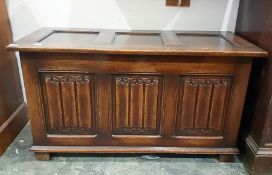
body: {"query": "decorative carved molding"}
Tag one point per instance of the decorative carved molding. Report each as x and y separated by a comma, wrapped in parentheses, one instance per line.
(137, 80)
(136, 104)
(202, 105)
(136, 131)
(68, 78)
(205, 82)
(68, 101)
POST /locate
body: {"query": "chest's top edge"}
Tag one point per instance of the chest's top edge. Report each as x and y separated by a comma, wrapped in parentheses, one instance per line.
(142, 42)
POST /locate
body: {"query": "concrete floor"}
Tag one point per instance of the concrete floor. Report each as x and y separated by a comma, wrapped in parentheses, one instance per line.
(18, 160)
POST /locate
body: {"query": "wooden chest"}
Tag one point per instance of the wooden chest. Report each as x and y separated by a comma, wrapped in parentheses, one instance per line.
(110, 91)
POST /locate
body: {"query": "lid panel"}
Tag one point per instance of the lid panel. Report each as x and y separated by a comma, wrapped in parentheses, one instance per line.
(65, 37)
(138, 39)
(205, 40)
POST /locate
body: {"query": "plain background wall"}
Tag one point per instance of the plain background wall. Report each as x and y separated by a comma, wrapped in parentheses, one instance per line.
(211, 15)
(27, 16)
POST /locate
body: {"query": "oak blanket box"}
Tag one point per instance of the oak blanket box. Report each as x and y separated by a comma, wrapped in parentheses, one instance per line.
(114, 91)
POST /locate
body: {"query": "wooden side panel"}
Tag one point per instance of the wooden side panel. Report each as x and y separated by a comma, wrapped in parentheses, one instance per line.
(68, 101)
(202, 102)
(254, 23)
(136, 104)
(13, 113)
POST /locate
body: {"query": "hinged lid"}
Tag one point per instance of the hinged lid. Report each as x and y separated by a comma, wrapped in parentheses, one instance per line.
(137, 42)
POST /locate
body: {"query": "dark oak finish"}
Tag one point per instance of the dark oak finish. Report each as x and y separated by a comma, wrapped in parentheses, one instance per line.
(13, 114)
(226, 158)
(135, 91)
(132, 149)
(137, 43)
(255, 24)
(42, 156)
(185, 3)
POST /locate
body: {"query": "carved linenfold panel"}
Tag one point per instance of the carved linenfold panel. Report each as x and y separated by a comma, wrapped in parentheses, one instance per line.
(203, 101)
(136, 104)
(68, 102)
